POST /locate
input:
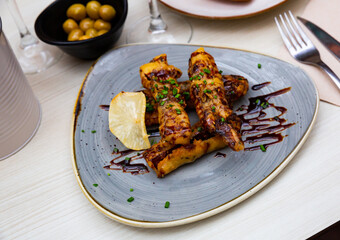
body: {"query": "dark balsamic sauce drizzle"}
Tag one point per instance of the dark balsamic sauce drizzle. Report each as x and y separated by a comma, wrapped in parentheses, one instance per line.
(263, 131)
(259, 86)
(122, 164)
(220, 154)
(105, 107)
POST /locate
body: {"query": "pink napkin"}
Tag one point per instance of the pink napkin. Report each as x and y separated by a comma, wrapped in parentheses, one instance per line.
(325, 14)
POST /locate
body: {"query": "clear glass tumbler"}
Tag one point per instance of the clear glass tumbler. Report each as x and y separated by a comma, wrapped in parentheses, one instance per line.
(20, 111)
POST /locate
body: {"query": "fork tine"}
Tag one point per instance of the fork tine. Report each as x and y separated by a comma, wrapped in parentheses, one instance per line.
(301, 32)
(296, 35)
(291, 38)
(284, 37)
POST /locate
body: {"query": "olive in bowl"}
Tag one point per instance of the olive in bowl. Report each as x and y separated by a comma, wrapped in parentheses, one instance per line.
(55, 25)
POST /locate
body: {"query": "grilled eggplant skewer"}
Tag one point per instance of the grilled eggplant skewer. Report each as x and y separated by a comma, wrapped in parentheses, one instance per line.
(207, 92)
(161, 78)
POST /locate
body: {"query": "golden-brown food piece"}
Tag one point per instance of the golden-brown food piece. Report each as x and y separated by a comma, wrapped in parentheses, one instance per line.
(100, 24)
(207, 92)
(92, 9)
(107, 12)
(86, 24)
(235, 87)
(161, 78)
(75, 35)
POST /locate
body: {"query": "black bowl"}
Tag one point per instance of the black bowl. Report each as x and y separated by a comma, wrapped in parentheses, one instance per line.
(49, 29)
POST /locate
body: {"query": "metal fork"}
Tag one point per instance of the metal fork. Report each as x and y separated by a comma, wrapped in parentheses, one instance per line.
(301, 47)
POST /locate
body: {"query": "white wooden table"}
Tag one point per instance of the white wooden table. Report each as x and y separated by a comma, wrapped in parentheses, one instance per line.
(40, 198)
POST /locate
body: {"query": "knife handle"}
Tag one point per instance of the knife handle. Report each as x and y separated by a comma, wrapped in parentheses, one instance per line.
(330, 73)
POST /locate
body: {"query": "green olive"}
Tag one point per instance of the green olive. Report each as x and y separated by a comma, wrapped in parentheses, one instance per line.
(84, 37)
(75, 34)
(107, 12)
(91, 32)
(76, 11)
(86, 24)
(101, 24)
(92, 9)
(69, 25)
(101, 32)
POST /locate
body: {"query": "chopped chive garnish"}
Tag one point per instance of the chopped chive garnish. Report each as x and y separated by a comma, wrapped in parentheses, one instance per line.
(197, 85)
(239, 78)
(232, 92)
(205, 82)
(241, 109)
(220, 71)
(95, 185)
(138, 154)
(213, 107)
(161, 95)
(174, 91)
(162, 103)
(83, 130)
(202, 74)
(116, 150)
(127, 159)
(156, 85)
(160, 81)
(206, 70)
(108, 174)
(177, 85)
(186, 95)
(190, 79)
(205, 90)
(259, 65)
(165, 92)
(172, 81)
(181, 102)
(166, 88)
(198, 77)
(208, 90)
(257, 101)
(131, 189)
(156, 78)
(130, 199)
(276, 118)
(262, 148)
(222, 119)
(170, 105)
(215, 97)
(199, 129)
(177, 95)
(212, 83)
(152, 142)
(93, 131)
(167, 204)
(178, 111)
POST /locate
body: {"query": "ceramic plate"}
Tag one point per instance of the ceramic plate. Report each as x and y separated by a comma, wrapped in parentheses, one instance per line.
(209, 185)
(221, 9)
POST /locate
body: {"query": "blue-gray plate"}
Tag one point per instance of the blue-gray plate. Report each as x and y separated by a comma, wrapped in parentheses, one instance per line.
(209, 185)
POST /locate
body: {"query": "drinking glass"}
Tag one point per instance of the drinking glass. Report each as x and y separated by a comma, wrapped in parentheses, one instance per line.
(157, 28)
(20, 111)
(33, 55)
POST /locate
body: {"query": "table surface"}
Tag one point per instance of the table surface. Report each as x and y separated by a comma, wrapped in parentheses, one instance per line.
(41, 199)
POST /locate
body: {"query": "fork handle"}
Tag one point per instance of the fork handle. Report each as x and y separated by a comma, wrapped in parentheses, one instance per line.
(330, 73)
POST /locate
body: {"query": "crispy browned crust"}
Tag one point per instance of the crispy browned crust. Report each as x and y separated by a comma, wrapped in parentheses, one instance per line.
(207, 92)
(161, 78)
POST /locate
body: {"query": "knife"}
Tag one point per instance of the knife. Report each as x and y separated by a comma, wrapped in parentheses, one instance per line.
(327, 40)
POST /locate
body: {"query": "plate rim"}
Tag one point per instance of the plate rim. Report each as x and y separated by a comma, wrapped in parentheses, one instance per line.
(222, 18)
(196, 217)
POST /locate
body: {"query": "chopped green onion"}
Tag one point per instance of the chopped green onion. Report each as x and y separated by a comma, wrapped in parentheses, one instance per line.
(177, 95)
(172, 81)
(108, 174)
(259, 65)
(167, 204)
(174, 91)
(262, 148)
(257, 101)
(127, 159)
(181, 102)
(197, 85)
(116, 150)
(206, 70)
(186, 95)
(220, 71)
(232, 92)
(178, 111)
(202, 74)
(83, 130)
(198, 77)
(130, 199)
(131, 189)
(160, 81)
(190, 79)
(276, 118)
(215, 97)
(156, 85)
(222, 119)
(199, 129)
(93, 131)
(165, 92)
(166, 88)
(213, 107)
(205, 90)
(162, 103)
(212, 83)
(152, 142)
(205, 82)
(95, 185)
(208, 90)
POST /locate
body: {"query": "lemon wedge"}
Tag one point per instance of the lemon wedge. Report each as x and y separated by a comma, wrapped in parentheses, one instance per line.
(127, 119)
